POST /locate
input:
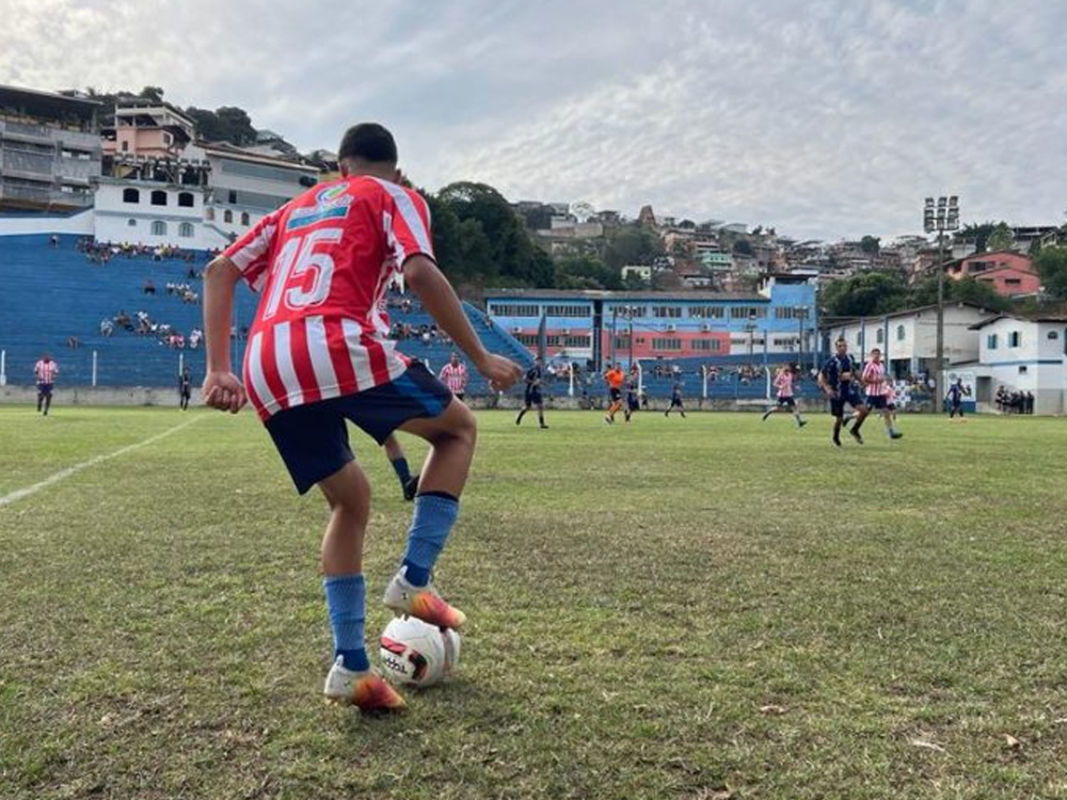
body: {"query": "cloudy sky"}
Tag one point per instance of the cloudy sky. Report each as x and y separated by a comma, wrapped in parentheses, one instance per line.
(826, 119)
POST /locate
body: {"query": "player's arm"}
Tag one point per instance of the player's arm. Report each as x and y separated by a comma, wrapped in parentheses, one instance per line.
(826, 388)
(438, 297)
(222, 389)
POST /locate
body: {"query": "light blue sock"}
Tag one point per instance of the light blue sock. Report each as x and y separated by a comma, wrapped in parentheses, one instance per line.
(435, 514)
(346, 601)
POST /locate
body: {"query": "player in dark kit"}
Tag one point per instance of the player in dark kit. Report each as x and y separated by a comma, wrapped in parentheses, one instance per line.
(676, 400)
(633, 403)
(838, 380)
(185, 389)
(533, 397)
(955, 398)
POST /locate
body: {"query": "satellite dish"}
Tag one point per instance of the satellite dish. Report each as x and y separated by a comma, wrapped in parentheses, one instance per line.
(582, 211)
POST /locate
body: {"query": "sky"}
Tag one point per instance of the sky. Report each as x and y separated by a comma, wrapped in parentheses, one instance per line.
(826, 119)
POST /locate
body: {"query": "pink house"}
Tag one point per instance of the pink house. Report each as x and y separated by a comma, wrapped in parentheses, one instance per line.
(1010, 274)
(146, 128)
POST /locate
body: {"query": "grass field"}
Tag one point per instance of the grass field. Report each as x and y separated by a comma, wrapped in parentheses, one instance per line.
(701, 608)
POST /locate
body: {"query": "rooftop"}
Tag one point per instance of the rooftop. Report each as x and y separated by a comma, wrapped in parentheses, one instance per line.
(606, 294)
(46, 104)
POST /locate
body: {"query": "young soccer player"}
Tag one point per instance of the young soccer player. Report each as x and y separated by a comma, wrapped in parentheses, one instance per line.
(532, 395)
(633, 403)
(409, 483)
(185, 388)
(318, 354)
(955, 398)
(877, 390)
(837, 380)
(676, 400)
(615, 378)
(454, 376)
(44, 373)
(783, 384)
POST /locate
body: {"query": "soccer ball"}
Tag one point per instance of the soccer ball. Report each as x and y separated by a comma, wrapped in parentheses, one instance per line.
(414, 653)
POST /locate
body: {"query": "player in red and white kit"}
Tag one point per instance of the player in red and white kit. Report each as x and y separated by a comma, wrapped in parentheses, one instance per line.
(44, 373)
(454, 376)
(318, 355)
(783, 384)
(878, 391)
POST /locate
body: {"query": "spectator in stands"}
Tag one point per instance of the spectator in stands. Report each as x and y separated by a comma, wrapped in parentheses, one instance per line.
(53, 240)
(195, 335)
(149, 287)
(106, 327)
(73, 342)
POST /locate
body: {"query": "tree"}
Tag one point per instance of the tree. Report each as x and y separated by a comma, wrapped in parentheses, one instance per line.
(870, 244)
(965, 290)
(236, 125)
(632, 244)
(1051, 264)
(153, 93)
(1001, 238)
(586, 272)
(980, 234)
(865, 294)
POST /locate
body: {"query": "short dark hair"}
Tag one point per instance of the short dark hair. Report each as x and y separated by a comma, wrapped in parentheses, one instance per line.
(368, 141)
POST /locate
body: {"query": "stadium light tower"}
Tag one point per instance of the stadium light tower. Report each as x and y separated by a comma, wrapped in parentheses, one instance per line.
(944, 215)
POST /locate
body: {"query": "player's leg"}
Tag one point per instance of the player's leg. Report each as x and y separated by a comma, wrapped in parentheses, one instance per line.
(792, 408)
(522, 413)
(541, 415)
(47, 401)
(451, 436)
(861, 414)
(395, 453)
(681, 409)
(40, 400)
(313, 442)
(837, 410)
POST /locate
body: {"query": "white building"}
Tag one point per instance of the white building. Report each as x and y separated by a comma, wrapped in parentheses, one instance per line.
(908, 339)
(1022, 355)
(151, 213)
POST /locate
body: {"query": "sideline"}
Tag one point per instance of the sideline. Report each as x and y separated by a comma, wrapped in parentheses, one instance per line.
(18, 494)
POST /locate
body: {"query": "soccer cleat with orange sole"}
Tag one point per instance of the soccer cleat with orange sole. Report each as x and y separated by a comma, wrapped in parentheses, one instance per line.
(368, 691)
(423, 602)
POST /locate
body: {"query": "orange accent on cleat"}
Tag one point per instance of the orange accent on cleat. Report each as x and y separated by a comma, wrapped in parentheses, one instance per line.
(432, 609)
(373, 693)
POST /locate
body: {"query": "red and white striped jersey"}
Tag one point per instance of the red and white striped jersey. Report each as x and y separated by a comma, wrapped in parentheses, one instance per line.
(45, 371)
(323, 262)
(455, 378)
(874, 379)
(783, 381)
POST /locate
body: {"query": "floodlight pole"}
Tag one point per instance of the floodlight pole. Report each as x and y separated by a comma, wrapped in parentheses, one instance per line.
(944, 216)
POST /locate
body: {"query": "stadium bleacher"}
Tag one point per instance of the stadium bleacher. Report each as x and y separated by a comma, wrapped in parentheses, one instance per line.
(54, 293)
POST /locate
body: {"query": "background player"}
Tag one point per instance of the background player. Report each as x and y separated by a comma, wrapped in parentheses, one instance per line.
(837, 380)
(783, 384)
(44, 373)
(318, 354)
(532, 395)
(454, 376)
(185, 388)
(955, 398)
(633, 402)
(877, 391)
(615, 378)
(676, 399)
(409, 483)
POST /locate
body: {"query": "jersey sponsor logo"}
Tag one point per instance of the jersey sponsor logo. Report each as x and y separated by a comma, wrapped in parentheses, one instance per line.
(330, 203)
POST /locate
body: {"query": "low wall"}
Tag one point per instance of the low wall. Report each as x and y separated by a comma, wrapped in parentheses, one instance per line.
(89, 396)
(17, 224)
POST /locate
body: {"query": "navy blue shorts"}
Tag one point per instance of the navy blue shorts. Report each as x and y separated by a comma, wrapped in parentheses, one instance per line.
(676, 401)
(632, 402)
(877, 401)
(615, 394)
(533, 397)
(44, 389)
(786, 402)
(849, 396)
(312, 439)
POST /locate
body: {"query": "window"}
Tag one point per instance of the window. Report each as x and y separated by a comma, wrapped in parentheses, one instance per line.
(159, 228)
(159, 198)
(185, 199)
(576, 341)
(669, 312)
(705, 344)
(859, 338)
(131, 195)
(132, 223)
(629, 311)
(991, 341)
(622, 342)
(185, 230)
(744, 312)
(209, 214)
(1022, 370)
(227, 216)
(1015, 339)
(566, 311)
(707, 312)
(900, 333)
(233, 196)
(791, 312)
(787, 342)
(738, 342)
(514, 310)
(125, 146)
(666, 344)
(167, 138)
(244, 218)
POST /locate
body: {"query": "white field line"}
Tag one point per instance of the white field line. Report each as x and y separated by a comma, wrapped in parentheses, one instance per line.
(18, 494)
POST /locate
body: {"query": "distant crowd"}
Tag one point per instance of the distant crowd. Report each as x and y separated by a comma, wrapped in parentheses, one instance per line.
(103, 252)
(1009, 402)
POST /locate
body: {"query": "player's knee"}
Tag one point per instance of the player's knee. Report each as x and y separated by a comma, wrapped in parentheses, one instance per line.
(465, 429)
